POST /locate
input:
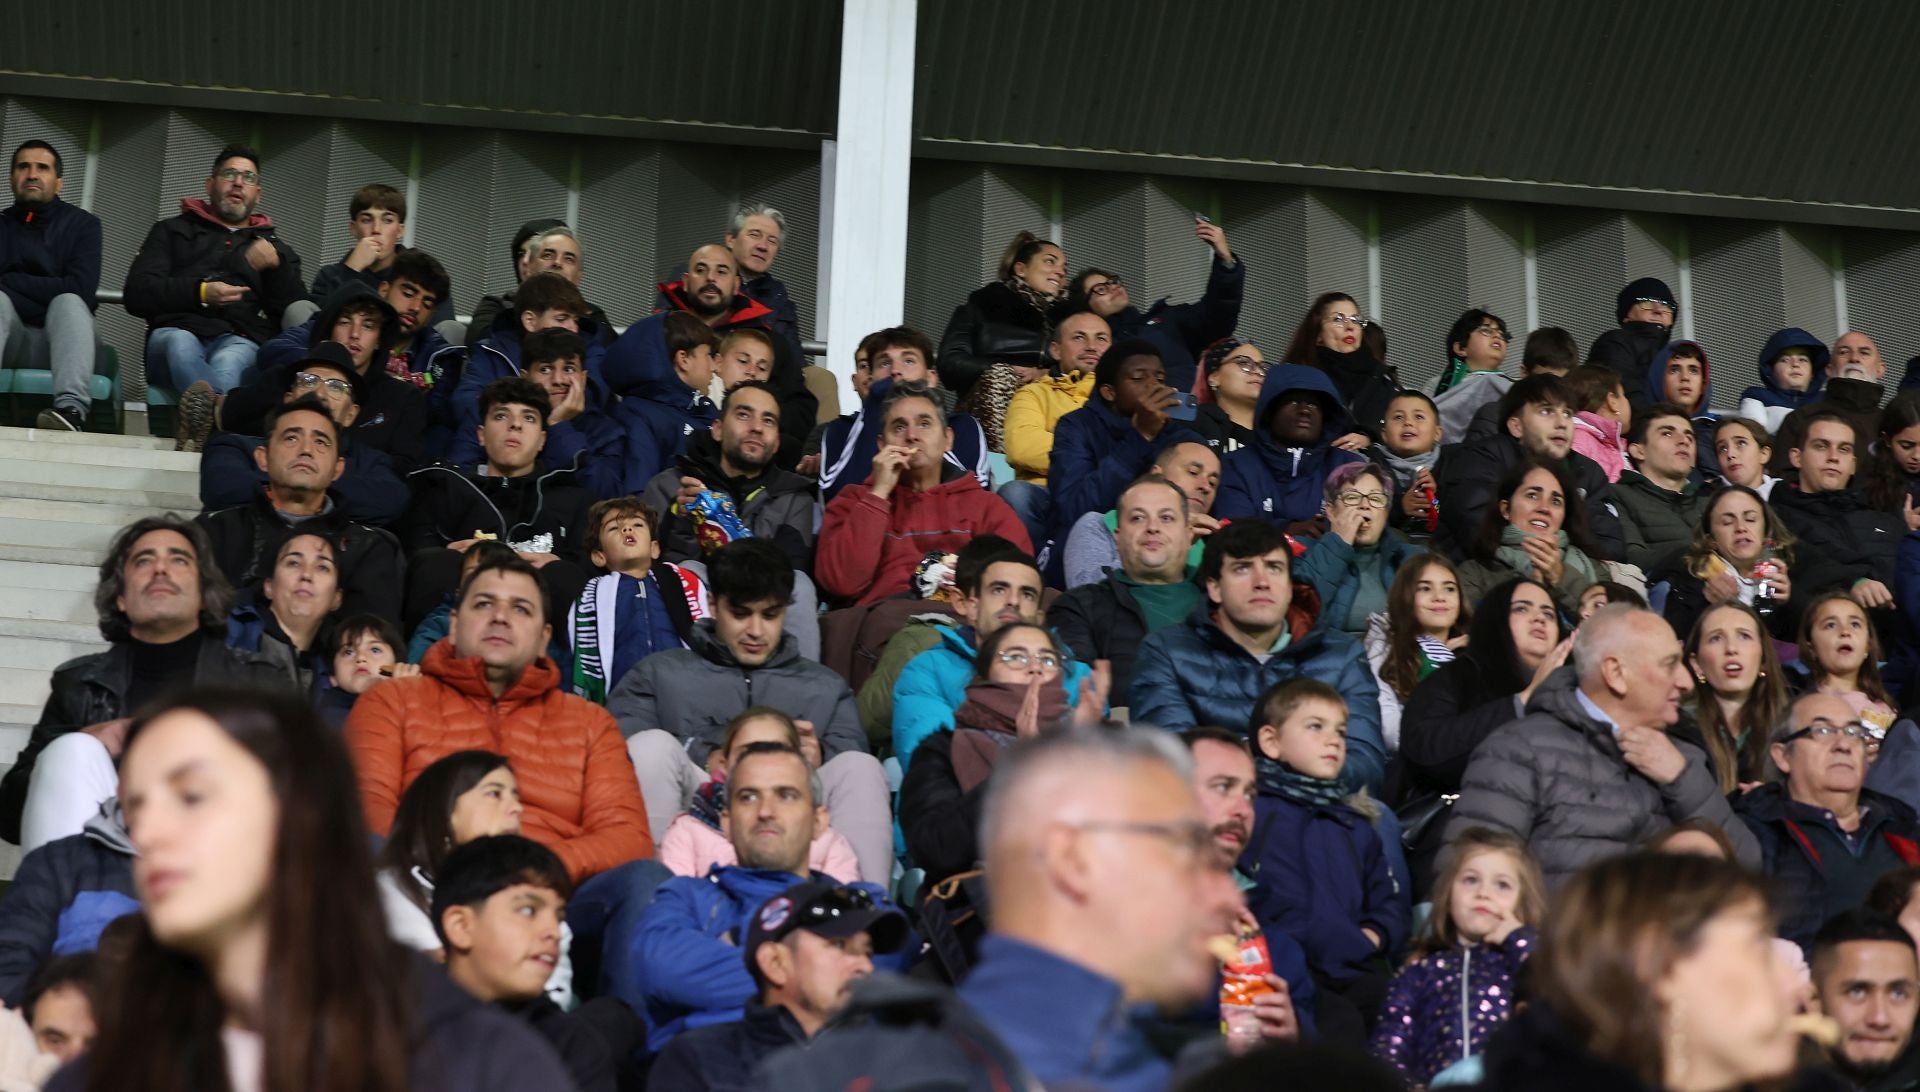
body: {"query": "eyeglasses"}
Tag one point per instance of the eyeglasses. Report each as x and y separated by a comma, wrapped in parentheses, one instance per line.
(1250, 366)
(1112, 284)
(1823, 729)
(1016, 658)
(1192, 837)
(1661, 304)
(306, 381)
(234, 174)
(1339, 319)
(1491, 330)
(1371, 500)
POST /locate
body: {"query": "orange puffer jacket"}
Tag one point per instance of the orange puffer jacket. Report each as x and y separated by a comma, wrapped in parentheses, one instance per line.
(577, 783)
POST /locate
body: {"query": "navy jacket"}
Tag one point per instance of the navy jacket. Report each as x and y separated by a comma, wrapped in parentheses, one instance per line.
(1068, 1025)
(1703, 418)
(497, 356)
(370, 490)
(657, 411)
(1816, 870)
(1320, 874)
(1628, 349)
(1182, 331)
(1267, 481)
(1096, 453)
(1768, 393)
(45, 252)
(799, 407)
(721, 1057)
(63, 895)
(328, 279)
(849, 444)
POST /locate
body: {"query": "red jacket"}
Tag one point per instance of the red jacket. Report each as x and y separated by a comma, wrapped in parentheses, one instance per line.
(868, 547)
(581, 797)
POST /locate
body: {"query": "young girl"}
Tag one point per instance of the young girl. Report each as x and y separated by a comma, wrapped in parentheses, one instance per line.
(1742, 448)
(1424, 624)
(1841, 654)
(365, 650)
(697, 839)
(1893, 473)
(1446, 1002)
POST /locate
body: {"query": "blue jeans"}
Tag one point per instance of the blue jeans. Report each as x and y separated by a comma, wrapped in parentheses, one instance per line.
(178, 359)
(1034, 505)
(604, 911)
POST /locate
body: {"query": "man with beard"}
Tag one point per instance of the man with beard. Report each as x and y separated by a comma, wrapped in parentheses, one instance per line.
(1645, 311)
(1867, 979)
(1856, 374)
(212, 284)
(49, 276)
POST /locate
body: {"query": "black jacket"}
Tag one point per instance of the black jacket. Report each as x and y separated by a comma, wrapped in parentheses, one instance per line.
(777, 505)
(1365, 386)
(995, 326)
(1842, 539)
(163, 285)
(92, 689)
(1535, 1051)
(1468, 475)
(939, 820)
(48, 251)
(1854, 399)
(328, 279)
(1815, 873)
(1687, 596)
(489, 308)
(595, 1042)
(1182, 331)
(721, 1057)
(452, 503)
(1628, 351)
(1445, 718)
(1101, 621)
(245, 538)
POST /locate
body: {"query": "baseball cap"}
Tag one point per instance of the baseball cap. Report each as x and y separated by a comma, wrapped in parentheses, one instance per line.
(828, 910)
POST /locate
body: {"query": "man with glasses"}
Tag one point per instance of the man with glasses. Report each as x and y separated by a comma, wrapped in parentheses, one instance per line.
(49, 277)
(897, 354)
(213, 283)
(1646, 312)
(1181, 331)
(1825, 838)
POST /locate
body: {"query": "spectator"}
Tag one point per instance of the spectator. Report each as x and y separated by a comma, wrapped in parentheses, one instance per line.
(641, 606)
(711, 290)
(663, 397)
(1409, 448)
(435, 625)
(49, 284)
(1793, 368)
(363, 649)
(1539, 529)
(371, 488)
(1115, 437)
(1855, 388)
(1840, 653)
(1151, 589)
(1856, 546)
(1280, 477)
(513, 498)
(1601, 417)
(1742, 448)
(1682, 376)
(1646, 312)
(1742, 694)
(1892, 479)
(1865, 976)
(1015, 692)
(1591, 769)
(1075, 827)
(1006, 322)
(1660, 505)
(1329, 339)
(1550, 350)
(62, 897)
(1259, 630)
(1538, 423)
(268, 833)
(282, 620)
(1228, 394)
(377, 217)
(162, 604)
(896, 355)
(460, 797)
(1092, 546)
(1476, 348)
(544, 301)
(1425, 621)
(688, 970)
(806, 949)
(862, 379)
(1741, 553)
(674, 706)
(62, 999)
(696, 841)
(1181, 331)
(301, 458)
(745, 356)
(1034, 413)
(1352, 564)
(581, 435)
(933, 685)
(543, 246)
(1824, 839)
(1654, 971)
(874, 534)
(498, 911)
(733, 459)
(1320, 872)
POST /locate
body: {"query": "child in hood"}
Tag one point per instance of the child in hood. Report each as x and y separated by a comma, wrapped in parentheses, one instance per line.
(1793, 368)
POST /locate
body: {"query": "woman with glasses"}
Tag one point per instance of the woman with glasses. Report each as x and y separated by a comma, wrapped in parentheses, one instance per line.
(1352, 565)
(1538, 529)
(1017, 693)
(1332, 339)
(1228, 389)
(1180, 330)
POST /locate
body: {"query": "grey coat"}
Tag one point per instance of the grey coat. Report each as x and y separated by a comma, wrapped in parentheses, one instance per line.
(1556, 778)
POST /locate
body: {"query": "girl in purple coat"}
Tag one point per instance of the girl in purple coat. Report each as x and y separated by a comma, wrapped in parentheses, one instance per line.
(1447, 1001)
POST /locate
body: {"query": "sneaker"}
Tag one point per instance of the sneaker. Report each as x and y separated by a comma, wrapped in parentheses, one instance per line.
(59, 418)
(193, 417)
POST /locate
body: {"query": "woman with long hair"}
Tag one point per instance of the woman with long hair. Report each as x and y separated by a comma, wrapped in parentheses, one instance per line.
(1742, 692)
(1537, 528)
(1424, 625)
(996, 341)
(1332, 338)
(1741, 553)
(1892, 474)
(466, 795)
(262, 960)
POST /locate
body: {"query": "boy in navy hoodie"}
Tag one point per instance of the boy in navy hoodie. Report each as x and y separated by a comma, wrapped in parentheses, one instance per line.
(667, 360)
(1793, 369)
(543, 301)
(580, 434)
(1680, 375)
(641, 606)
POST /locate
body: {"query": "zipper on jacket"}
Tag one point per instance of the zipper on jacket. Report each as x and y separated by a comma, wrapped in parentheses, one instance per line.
(1466, 1003)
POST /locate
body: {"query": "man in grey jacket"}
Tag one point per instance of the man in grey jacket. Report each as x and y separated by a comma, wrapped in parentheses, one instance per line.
(1590, 771)
(673, 706)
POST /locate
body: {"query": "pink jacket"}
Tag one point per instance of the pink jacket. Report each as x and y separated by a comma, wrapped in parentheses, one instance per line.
(691, 848)
(1598, 438)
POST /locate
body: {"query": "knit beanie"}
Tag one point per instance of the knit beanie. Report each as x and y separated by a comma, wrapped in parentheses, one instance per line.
(1646, 288)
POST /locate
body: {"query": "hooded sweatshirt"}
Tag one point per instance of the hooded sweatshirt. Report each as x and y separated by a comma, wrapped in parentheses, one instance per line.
(1769, 403)
(1703, 418)
(1283, 484)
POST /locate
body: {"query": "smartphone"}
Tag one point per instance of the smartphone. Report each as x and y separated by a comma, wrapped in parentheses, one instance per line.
(1184, 407)
(1202, 218)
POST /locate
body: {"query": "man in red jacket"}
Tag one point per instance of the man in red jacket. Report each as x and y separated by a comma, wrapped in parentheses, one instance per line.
(875, 534)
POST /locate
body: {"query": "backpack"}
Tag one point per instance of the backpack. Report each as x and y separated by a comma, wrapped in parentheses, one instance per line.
(953, 918)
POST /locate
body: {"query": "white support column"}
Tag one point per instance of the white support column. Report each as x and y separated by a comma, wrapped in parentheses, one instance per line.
(867, 276)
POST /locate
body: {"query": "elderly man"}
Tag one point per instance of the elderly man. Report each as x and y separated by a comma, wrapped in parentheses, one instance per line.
(1076, 827)
(1856, 385)
(1823, 837)
(543, 246)
(1867, 979)
(1590, 771)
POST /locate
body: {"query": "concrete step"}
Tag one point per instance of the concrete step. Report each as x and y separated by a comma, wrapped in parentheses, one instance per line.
(63, 642)
(35, 446)
(39, 591)
(27, 686)
(93, 485)
(87, 439)
(86, 528)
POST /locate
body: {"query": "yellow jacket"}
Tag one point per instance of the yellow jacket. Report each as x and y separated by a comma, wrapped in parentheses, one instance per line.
(1035, 409)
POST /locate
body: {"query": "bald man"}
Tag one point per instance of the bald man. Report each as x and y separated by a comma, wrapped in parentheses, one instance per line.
(1106, 886)
(1590, 771)
(1856, 386)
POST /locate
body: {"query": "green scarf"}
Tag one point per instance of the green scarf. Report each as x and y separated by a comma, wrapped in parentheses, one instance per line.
(1278, 779)
(1518, 560)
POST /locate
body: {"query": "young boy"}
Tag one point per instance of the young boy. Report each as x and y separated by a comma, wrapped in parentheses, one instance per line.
(580, 435)
(625, 616)
(1602, 415)
(1681, 375)
(1410, 436)
(1793, 368)
(377, 216)
(667, 401)
(1476, 349)
(544, 301)
(745, 355)
(365, 650)
(499, 904)
(1320, 871)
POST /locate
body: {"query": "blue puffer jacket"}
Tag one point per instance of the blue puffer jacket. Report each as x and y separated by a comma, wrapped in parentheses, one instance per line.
(657, 412)
(1768, 393)
(1320, 874)
(1281, 485)
(934, 684)
(687, 947)
(1703, 417)
(1194, 674)
(64, 894)
(1329, 565)
(1096, 453)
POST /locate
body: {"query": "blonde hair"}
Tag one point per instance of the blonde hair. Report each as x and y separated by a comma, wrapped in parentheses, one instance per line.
(1441, 934)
